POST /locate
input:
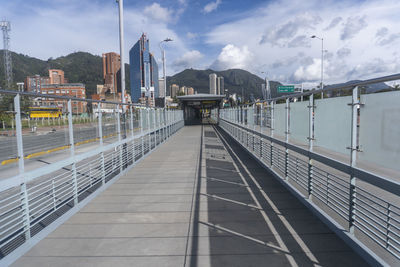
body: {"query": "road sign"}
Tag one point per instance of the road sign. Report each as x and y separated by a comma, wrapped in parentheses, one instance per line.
(286, 89)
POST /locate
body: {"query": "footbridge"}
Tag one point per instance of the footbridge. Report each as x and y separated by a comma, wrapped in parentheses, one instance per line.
(277, 183)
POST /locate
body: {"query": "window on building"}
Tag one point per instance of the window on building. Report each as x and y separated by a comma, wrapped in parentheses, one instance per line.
(57, 91)
(50, 91)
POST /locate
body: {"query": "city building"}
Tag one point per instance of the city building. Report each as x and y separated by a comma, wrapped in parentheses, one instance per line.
(111, 72)
(220, 86)
(76, 90)
(161, 87)
(34, 83)
(213, 83)
(174, 89)
(183, 90)
(57, 76)
(143, 73)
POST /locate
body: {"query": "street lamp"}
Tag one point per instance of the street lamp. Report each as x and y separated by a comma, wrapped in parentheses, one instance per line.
(322, 63)
(121, 48)
(164, 72)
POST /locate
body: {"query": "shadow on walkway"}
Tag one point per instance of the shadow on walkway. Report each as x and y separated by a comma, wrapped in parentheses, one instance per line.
(244, 217)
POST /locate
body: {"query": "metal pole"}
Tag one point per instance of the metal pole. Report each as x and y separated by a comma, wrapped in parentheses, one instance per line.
(121, 48)
(322, 67)
(21, 168)
(100, 118)
(119, 139)
(310, 144)
(287, 132)
(272, 131)
(72, 150)
(141, 130)
(165, 79)
(353, 157)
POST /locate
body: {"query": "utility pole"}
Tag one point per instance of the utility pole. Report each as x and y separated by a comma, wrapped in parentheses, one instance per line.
(6, 28)
(121, 49)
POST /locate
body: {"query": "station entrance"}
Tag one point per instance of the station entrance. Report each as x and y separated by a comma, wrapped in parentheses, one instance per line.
(197, 108)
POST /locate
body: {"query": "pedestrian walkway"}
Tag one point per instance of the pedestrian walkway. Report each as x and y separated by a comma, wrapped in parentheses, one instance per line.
(199, 200)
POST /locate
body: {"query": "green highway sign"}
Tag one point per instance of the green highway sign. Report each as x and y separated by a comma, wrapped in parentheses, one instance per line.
(286, 89)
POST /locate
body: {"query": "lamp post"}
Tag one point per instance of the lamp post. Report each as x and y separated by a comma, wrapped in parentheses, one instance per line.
(121, 49)
(322, 62)
(164, 72)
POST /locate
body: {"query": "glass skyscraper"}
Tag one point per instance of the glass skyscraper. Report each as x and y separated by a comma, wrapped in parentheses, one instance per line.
(143, 72)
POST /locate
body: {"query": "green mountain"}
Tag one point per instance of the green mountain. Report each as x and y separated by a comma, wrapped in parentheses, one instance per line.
(235, 80)
(79, 67)
(82, 67)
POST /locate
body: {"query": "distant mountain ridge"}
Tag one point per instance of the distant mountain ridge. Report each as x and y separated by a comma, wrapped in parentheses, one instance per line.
(234, 80)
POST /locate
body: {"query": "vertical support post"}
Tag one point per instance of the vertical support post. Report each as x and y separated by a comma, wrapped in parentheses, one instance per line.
(353, 158)
(272, 132)
(261, 124)
(72, 151)
(141, 129)
(310, 144)
(132, 133)
(121, 165)
(150, 125)
(287, 132)
(21, 169)
(100, 123)
(155, 126)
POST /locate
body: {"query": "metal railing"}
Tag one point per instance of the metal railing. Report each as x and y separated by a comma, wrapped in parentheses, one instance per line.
(360, 204)
(43, 189)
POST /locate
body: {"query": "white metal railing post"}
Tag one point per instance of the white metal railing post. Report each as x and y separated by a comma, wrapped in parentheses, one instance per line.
(100, 125)
(261, 125)
(310, 144)
(253, 118)
(155, 126)
(287, 132)
(149, 130)
(131, 128)
(272, 132)
(353, 158)
(72, 150)
(141, 129)
(119, 139)
(21, 168)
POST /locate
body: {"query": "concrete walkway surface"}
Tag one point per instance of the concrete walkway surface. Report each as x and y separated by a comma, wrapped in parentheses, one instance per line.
(198, 200)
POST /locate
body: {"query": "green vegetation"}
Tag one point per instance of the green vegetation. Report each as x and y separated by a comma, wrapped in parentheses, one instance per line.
(234, 80)
(79, 67)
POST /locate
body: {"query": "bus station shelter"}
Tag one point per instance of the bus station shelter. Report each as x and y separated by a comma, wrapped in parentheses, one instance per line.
(197, 108)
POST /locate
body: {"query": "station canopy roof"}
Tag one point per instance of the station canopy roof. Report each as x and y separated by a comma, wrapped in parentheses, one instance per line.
(201, 100)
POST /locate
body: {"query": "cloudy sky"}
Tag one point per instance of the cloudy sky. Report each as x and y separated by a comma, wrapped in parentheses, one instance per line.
(360, 37)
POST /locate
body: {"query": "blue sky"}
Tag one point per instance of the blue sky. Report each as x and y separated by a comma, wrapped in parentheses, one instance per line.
(361, 37)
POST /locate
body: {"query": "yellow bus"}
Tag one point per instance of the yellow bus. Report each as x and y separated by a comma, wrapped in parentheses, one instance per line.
(44, 112)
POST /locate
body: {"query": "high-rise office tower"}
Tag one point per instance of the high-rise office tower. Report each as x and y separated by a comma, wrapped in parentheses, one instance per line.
(143, 73)
(220, 85)
(213, 83)
(111, 67)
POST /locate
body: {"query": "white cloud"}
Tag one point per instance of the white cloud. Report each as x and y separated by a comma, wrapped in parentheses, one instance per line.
(191, 35)
(351, 40)
(188, 59)
(333, 23)
(353, 26)
(232, 57)
(311, 72)
(158, 13)
(100, 22)
(211, 6)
